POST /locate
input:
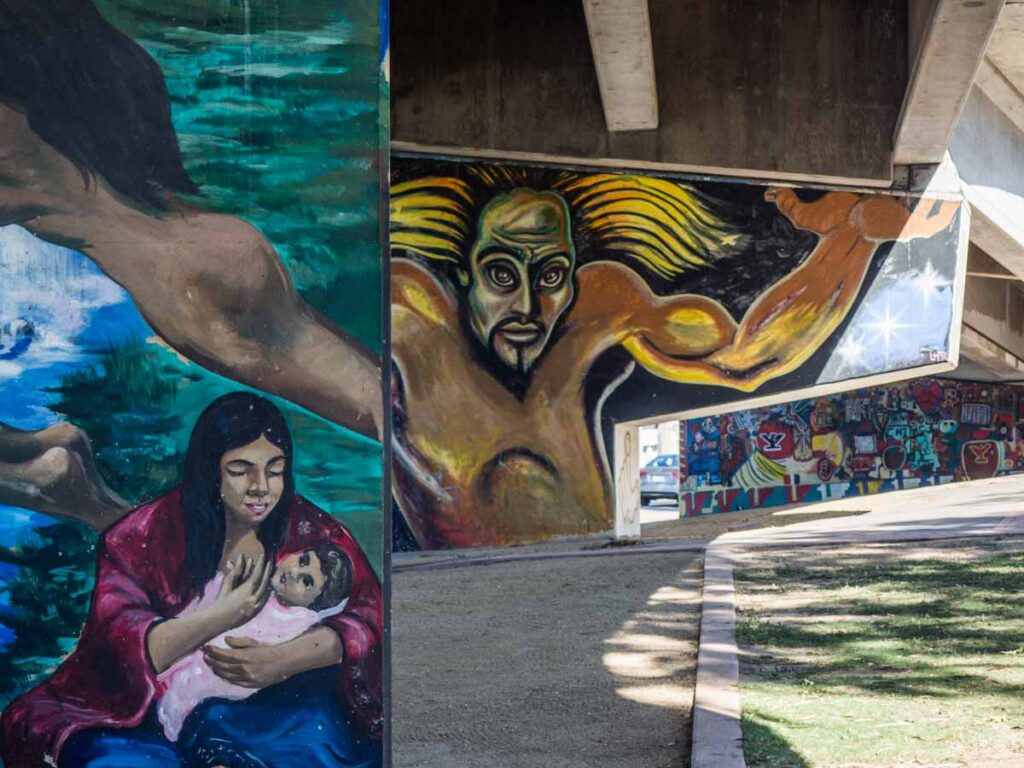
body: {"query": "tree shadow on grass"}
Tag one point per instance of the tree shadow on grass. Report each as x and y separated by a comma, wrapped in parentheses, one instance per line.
(910, 628)
(764, 748)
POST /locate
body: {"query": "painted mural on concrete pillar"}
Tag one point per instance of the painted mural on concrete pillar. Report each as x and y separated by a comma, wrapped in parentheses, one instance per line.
(921, 432)
(191, 304)
(532, 306)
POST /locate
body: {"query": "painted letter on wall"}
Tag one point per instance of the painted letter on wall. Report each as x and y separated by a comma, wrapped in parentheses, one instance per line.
(531, 305)
(191, 511)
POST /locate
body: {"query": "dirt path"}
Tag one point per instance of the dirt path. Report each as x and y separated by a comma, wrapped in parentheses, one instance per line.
(576, 663)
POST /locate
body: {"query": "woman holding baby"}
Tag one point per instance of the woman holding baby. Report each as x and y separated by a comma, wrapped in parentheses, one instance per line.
(230, 585)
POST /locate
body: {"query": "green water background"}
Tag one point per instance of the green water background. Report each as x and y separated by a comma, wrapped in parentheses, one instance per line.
(278, 109)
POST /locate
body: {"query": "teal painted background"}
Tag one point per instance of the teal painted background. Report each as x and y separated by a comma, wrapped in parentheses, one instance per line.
(280, 110)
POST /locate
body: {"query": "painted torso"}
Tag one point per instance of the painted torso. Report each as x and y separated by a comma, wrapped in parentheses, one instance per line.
(475, 464)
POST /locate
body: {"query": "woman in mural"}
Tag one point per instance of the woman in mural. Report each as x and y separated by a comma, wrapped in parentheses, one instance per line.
(89, 159)
(233, 517)
(496, 328)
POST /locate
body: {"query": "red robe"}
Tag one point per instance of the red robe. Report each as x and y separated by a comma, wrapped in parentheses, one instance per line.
(141, 578)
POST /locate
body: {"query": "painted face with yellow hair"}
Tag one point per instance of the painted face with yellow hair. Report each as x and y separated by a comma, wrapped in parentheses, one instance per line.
(520, 274)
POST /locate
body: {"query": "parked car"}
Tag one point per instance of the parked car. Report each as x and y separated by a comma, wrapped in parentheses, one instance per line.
(660, 478)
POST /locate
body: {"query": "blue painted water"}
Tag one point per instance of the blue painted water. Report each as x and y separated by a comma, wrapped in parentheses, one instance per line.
(73, 312)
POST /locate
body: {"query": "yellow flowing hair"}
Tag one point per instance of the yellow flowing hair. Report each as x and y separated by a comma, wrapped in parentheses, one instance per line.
(661, 226)
(430, 216)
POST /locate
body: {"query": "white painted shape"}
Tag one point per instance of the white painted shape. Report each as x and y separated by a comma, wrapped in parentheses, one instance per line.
(627, 481)
(620, 38)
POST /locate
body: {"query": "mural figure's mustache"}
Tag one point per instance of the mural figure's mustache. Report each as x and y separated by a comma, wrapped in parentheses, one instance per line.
(519, 332)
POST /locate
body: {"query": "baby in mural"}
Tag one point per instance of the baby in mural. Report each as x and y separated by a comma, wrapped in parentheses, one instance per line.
(305, 588)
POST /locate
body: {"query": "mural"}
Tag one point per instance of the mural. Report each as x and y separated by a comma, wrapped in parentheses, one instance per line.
(922, 432)
(523, 297)
(191, 511)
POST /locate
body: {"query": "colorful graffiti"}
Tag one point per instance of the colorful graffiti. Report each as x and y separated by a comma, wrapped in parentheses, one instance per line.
(522, 297)
(922, 432)
(191, 506)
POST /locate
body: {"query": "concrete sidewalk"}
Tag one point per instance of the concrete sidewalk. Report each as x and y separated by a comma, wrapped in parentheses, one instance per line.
(563, 663)
(979, 508)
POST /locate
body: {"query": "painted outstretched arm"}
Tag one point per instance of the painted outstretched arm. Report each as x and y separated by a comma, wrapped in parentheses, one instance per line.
(53, 471)
(265, 335)
(210, 285)
(215, 290)
(694, 340)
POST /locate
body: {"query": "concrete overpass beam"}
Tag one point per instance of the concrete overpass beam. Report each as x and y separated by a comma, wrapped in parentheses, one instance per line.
(620, 38)
(950, 51)
(988, 150)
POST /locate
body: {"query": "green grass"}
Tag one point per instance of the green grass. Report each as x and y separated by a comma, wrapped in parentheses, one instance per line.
(879, 661)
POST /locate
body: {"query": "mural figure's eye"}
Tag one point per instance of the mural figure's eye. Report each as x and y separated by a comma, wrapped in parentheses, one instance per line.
(552, 278)
(304, 559)
(307, 582)
(501, 275)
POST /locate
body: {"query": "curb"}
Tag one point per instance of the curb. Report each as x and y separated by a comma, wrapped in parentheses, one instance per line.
(696, 545)
(717, 735)
(717, 738)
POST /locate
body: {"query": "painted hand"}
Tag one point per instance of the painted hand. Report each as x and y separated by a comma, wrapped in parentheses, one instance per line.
(247, 663)
(244, 591)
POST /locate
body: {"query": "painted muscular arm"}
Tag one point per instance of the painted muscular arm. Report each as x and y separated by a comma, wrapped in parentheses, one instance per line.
(210, 285)
(53, 471)
(692, 339)
(881, 218)
(877, 218)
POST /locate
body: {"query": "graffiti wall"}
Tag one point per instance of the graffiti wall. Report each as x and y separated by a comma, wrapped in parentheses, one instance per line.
(191, 304)
(923, 432)
(534, 306)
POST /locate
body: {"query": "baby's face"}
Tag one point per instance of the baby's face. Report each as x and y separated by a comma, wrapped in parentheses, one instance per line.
(298, 579)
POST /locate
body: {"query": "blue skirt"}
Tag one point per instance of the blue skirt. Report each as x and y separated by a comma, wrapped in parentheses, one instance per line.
(295, 724)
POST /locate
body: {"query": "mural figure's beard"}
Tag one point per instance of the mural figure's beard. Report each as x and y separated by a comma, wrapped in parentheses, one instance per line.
(518, 343)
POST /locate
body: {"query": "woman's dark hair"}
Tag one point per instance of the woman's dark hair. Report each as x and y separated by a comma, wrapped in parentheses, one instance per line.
(93, 94)
(337, 571)
(229, 422)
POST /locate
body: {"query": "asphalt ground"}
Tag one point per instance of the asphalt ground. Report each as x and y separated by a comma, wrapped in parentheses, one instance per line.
(560, 663)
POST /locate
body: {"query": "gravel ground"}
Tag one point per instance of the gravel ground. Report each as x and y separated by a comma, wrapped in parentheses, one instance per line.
(575, 663)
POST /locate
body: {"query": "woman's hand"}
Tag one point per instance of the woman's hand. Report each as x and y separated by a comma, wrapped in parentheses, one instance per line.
(255, 665)
(244, 591)
(248, 663)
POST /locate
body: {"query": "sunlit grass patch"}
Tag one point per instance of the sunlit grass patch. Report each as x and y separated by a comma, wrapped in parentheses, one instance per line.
(885, 657)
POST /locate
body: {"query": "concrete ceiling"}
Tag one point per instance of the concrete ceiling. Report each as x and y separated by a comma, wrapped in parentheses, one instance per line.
(1006, 50)
(620, 37)
(955, 38)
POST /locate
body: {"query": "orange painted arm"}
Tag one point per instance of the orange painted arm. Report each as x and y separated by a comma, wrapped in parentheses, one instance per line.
(616, 306)
(882, 218)
(820, 216)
